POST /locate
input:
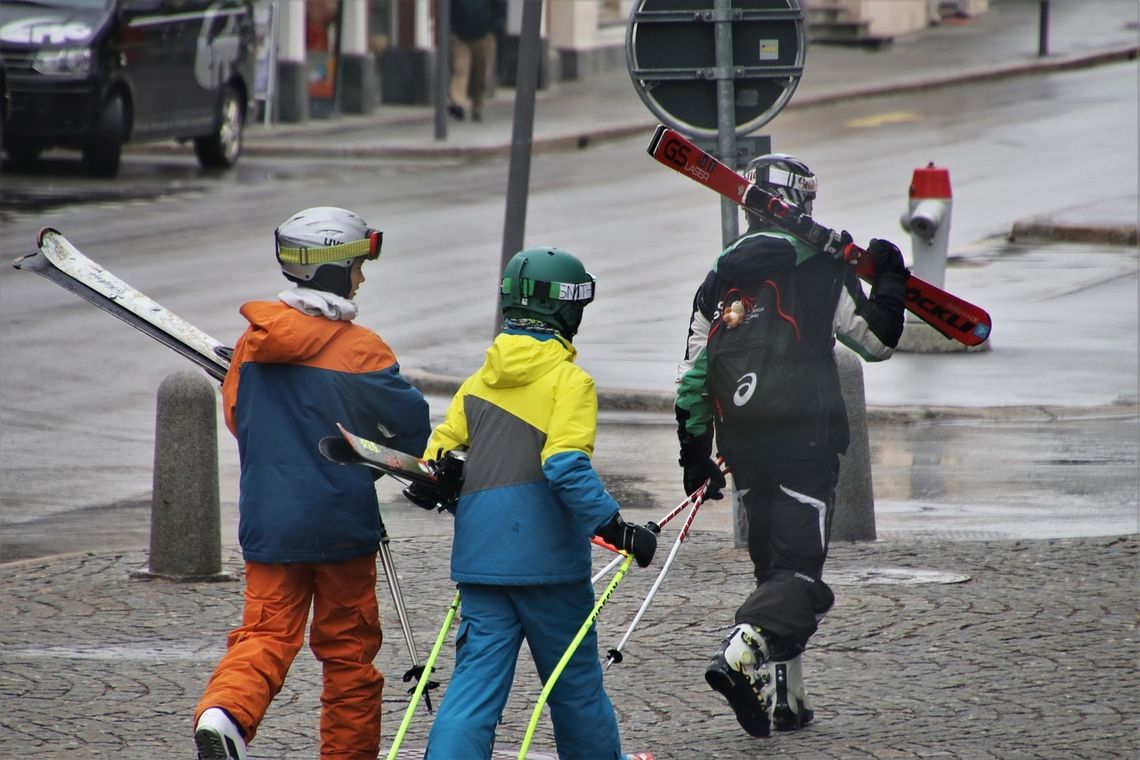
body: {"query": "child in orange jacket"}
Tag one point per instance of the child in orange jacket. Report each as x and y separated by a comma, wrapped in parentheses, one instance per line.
(309, 530)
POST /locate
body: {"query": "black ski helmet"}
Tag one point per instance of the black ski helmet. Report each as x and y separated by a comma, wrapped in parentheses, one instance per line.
(786, 176)
(547, 284)
(316, 247)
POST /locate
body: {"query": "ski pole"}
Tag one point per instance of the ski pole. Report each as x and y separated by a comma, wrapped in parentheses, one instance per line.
(417, 670)
(696, 498)
(574, 643)
(653, 526)
(598, 541)
(614, 655)
(657, 526)
(605, 570)
(421, 685)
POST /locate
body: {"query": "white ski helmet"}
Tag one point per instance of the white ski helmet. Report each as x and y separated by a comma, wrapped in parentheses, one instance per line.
(316, 247)
(786, 176)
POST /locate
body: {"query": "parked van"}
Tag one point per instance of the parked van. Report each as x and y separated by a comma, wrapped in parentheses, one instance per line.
(95, 74)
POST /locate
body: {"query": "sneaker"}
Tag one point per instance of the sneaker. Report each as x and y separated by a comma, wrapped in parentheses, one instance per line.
(639, 756)
(218, 737)
(738, 672)
(478, 116)
(790, 707)
(456, 112)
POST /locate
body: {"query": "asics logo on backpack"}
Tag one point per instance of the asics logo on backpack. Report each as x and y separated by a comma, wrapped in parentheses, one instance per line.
(745, 388)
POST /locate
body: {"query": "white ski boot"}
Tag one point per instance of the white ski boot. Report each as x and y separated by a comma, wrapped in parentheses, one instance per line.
(787, 696)
(739, 671)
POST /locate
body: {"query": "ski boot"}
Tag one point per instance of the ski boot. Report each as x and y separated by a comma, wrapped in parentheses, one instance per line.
(218, 737)
(739, 672)
(788, 698)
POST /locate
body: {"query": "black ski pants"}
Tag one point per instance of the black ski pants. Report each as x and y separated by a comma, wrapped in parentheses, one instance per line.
(788, 503)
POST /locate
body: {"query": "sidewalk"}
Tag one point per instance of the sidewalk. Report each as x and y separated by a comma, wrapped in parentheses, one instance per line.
(999, 43)
(1001, 649)
(936, 648)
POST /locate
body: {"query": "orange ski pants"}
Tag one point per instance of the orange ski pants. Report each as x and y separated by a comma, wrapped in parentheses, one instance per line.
(344, 636)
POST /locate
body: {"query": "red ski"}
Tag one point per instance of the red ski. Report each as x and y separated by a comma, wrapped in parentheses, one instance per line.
(950, 315)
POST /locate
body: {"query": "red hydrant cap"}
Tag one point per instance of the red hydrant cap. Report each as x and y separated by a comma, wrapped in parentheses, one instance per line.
(930, 182)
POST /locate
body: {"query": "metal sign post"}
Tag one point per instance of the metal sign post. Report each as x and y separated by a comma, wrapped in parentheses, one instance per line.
(522, 137)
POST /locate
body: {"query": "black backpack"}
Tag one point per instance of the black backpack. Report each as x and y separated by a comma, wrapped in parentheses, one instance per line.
(758, 372)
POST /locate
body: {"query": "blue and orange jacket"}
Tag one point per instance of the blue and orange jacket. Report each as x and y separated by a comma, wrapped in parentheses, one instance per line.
(531, 498)
(292, 378)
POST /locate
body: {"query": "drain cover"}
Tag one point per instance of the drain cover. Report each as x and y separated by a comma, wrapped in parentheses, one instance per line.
(891, 576)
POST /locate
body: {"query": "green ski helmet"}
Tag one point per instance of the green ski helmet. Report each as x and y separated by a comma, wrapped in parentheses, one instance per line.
(547, 284)
(316, 247)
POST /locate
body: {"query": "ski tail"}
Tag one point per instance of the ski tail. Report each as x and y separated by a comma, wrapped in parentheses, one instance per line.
(950, 315)
(403, 467)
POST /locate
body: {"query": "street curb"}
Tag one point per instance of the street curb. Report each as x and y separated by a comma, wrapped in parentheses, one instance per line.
(622, 400)
(1009, 71)
(1046, 229)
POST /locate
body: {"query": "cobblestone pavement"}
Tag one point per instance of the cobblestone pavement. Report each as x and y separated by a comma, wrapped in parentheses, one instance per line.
(1033, 656)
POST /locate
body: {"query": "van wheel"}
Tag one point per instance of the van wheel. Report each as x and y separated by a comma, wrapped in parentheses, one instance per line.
(104, 148)
(221, 149)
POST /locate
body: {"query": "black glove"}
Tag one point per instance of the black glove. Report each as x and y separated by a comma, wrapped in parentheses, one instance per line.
(837, 244)
(638, 541)
(887, 259)
(696, 460)
(429, 497)
(448, 470)
(448, 473)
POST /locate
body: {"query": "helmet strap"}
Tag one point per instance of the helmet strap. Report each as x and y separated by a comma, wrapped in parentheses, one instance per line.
(329, 278)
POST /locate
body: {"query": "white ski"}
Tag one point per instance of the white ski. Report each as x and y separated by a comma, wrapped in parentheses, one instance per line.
(62, 263)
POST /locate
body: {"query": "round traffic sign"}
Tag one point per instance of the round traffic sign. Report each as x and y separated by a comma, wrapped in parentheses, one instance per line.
(673, 60)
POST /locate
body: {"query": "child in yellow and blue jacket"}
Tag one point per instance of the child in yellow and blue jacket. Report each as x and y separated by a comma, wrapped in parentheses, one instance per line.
(529, 504)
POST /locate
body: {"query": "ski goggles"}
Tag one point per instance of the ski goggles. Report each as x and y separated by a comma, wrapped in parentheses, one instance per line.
(582, 292)
(368, 248)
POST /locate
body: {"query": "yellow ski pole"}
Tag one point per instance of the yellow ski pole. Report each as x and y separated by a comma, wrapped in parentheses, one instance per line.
(422, 684)
(549, 686)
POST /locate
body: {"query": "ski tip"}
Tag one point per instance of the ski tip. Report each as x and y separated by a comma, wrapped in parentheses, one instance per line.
(653, 141)
(44, 232)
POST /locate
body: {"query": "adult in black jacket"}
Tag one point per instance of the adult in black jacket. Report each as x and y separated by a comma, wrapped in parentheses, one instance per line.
(760, 370)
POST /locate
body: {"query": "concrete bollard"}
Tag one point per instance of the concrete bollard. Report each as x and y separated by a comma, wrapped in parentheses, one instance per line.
(185, 517)
(854, 518)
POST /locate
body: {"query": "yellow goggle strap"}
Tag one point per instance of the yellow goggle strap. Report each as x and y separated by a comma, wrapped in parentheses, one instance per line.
(326, 254)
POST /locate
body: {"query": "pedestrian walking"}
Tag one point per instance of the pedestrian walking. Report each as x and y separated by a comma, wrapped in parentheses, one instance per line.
(529, 503)
(760, 371)
(309, 529)
(475, 26)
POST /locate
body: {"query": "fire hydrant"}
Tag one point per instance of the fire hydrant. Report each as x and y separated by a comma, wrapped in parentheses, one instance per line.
(927, 219)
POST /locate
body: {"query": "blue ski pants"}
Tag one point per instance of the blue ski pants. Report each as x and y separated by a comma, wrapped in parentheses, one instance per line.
(494, 621)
